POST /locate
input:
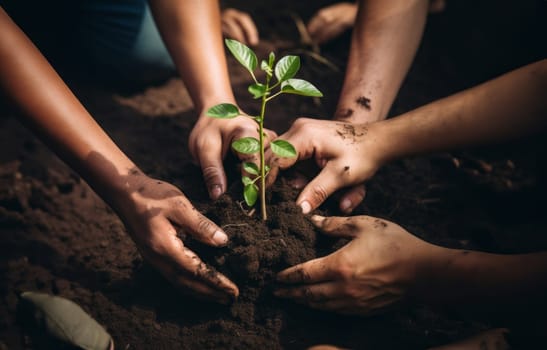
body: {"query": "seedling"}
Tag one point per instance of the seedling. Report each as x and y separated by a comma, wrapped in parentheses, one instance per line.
(284, 71)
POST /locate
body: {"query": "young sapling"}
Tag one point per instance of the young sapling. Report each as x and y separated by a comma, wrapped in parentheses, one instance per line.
(285, 69)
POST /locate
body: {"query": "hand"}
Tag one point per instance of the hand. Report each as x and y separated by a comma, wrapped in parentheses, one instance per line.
(239, 25)
(211, 139)
(377, 269)
(345, 152)
(331, 21)
(304, 171)
(153, 212)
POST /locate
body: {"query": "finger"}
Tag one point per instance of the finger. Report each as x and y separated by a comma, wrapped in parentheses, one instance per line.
(319, 189)
(186, 216)
(315, 24)
(337, 226)
(210, 160)
(325, 33)
(231, 29)
(313, 271)
(183, 267)
(350, 306)
(298, 181)
(311, 293)
(248, 28)
(352, 198)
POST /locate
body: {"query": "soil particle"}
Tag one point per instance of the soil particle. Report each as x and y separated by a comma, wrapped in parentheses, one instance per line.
(363, 102)
(345, 114)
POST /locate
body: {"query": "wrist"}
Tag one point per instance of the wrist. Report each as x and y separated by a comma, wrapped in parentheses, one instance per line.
(117, 189)
(428, 273)
(357, 114)
(382, 148)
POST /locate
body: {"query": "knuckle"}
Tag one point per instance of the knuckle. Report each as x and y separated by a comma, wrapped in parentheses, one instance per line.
(344, 266)
(205, 226)
(210, 173)
(319, 193)
(300, 123)
(352, 292)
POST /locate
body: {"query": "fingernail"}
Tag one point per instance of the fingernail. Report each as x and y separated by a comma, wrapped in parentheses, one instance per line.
(345, 205)
(220, 238)
(317, 219)
(215, 191)
(306, 207)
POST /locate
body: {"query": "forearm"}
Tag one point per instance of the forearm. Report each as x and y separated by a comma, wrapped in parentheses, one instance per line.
(49, 107)
(192, 33)
(483, 281)
(503, 108)
(384, 41)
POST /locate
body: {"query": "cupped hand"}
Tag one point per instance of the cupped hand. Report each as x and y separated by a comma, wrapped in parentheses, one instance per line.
(210, 141)
(331, 21)
(346, 154)
(154, 212)
(376, 270)
(239, 25)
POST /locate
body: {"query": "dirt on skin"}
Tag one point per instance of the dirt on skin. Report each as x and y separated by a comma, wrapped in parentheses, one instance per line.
(57, 236)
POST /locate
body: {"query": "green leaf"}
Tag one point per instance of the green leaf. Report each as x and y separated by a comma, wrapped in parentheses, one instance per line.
(266, 168)
(223, 110)
(271, 59)
(64, 320)
(300, 87)
(242, 53)
(266, 68)
(251, 168)
(257, 90)
(283, 148)
(250, 193)
(246, 145)
(287, 67)
(246, 180)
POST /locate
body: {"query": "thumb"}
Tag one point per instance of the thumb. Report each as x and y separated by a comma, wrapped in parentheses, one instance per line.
(319, 189)
(210, 160)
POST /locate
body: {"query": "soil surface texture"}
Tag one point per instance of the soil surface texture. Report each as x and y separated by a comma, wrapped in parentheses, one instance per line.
(57, 236)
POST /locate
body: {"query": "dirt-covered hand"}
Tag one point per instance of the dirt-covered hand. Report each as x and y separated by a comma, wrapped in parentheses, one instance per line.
(211, 139)
(345, 153)
(331, 21)
(156, 214)
(239, 25)
(377, 269)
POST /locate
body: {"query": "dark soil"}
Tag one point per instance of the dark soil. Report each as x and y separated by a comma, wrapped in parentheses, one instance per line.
(58, 237)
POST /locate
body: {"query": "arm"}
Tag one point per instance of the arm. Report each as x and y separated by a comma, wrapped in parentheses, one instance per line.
(149, 208)
(192, 33)
(349, 154)
(484, 281)
(384, 42)
(506, 107)
(384, 265)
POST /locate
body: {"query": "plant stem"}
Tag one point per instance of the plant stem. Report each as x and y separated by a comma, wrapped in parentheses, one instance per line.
(262, 160)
